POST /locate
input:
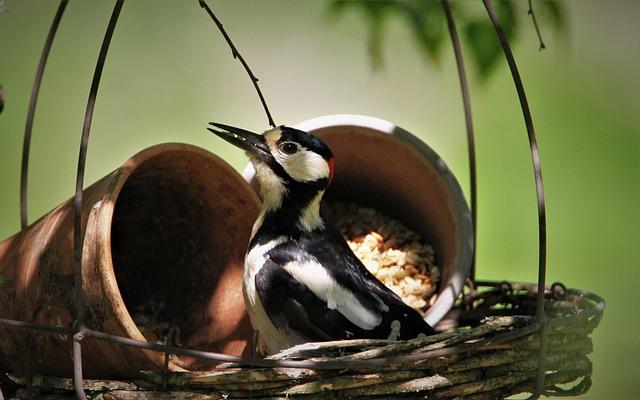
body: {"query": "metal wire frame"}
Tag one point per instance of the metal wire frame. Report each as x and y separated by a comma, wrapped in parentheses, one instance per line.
(80, 331)
(542, 222)
(32, 111)
(471, 148)
(77, 202)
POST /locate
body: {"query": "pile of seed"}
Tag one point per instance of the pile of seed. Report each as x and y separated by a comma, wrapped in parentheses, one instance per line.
(396, 255)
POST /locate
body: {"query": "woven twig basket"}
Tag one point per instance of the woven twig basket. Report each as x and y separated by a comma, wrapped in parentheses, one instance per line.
(491, 351)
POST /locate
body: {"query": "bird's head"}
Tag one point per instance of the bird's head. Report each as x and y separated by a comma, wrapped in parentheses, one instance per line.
(288, 161)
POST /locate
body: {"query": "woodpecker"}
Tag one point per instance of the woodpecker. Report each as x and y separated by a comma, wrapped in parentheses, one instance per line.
(301, 281)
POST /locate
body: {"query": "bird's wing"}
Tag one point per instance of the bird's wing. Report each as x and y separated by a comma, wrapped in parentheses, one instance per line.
(292, 305)
(343, 301)
(350, 272)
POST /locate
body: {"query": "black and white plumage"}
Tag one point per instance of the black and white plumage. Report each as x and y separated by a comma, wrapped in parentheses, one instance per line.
(301, 281)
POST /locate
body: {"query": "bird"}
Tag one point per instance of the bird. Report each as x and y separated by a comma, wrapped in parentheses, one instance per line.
(301, 281)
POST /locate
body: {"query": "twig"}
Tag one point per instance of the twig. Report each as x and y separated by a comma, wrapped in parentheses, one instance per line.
(236, 54)
(535, 23)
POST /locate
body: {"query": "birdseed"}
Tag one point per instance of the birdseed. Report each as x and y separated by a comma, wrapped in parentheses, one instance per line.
(396, 255)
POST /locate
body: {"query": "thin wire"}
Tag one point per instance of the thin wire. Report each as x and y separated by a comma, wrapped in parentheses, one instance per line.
(535, 156)
(32, 111)
(242, 361)
(542, 224)
(236, 54)
(77, 201)
(30, 326)
(78, 381)
(464, 86)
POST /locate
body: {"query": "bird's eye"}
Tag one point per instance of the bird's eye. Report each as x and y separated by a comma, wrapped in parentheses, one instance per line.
(289, 148)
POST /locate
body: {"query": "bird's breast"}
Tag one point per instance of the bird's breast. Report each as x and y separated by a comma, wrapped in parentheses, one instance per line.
(253, 262)
(270, 339)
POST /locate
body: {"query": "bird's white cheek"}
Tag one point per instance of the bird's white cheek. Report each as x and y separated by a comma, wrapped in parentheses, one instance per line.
(305, 166)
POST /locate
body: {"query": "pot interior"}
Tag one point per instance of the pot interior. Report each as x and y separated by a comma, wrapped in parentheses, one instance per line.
(179, 233)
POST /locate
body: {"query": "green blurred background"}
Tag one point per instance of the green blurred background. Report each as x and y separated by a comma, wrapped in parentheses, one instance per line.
(169, 72)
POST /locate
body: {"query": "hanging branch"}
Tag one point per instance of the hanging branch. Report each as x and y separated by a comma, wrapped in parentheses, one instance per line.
(535, 23)
(236, 54)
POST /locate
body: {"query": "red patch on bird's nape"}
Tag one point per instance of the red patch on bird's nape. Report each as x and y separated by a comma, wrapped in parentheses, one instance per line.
(330, 163)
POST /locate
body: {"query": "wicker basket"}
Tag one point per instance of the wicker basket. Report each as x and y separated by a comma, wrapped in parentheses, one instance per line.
(491, 350)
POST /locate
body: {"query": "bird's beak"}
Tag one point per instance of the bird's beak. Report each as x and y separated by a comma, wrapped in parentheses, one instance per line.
(243, 139)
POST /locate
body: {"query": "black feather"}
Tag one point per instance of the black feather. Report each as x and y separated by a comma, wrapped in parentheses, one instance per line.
(292, 305)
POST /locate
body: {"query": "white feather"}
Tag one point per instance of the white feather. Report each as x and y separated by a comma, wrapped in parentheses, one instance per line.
(310, 216)
(316, 278)
(304, 165)
(272, 188)
(395, 330)
(271, 339)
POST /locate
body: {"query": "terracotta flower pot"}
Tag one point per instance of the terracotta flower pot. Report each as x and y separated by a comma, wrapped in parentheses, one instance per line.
(382, 166)
(164, 242)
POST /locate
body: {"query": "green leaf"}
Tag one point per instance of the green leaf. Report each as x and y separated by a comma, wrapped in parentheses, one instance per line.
(483, 46)
(426, 21)
(375, 14)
